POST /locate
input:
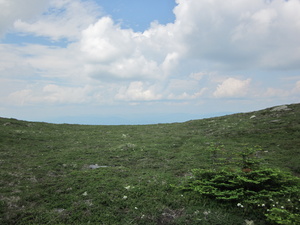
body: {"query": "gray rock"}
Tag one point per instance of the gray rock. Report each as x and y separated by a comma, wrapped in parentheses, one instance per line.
(280, 108)
(274, 121)
(96, 166)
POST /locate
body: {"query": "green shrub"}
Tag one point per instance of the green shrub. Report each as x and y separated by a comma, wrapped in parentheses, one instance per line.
(267, 192)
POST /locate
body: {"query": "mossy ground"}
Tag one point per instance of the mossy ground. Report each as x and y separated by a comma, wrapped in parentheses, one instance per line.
(46, 179)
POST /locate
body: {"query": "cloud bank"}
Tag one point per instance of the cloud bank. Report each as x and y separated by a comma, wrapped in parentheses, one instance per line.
(213, 50)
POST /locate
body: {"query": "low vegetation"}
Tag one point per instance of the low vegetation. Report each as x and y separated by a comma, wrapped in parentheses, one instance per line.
(236, 169)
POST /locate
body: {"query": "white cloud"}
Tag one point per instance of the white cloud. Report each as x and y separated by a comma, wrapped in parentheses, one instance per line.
(241, 33)
(52, 94)
(170, 62)
(276, 92)
(104, 41)
(232, 87)
(22, 97)
(182, 85)
(255, 26)
(58, 94)
(292, 92)
(64, 19)
(38, 63)
(137, 92)
(13, 64)
(186, 96)
(12, 10)
(200, 75)
(110, 51)
(102, 63)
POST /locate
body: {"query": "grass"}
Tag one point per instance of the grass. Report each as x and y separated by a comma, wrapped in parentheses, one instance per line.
(46, 179)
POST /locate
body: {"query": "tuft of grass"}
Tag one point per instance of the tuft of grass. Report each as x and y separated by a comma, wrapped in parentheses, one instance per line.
(46, 178)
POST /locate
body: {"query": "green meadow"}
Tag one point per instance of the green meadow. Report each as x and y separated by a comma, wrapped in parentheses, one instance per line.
(153, 174)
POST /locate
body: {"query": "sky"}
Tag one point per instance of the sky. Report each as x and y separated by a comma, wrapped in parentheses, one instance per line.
(141, 62)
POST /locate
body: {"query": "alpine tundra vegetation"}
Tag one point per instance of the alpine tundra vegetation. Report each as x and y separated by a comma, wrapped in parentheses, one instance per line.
(235, 169)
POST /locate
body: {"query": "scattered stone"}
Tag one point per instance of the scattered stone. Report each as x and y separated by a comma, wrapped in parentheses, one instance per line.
(96, 166)
(33, 179)
(252, 117)
(280, 108)
(249, 222)
(274, 121)
(59, 210)
(89, 202)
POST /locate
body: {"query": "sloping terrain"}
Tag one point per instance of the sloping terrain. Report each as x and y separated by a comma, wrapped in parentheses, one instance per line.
(80, 174)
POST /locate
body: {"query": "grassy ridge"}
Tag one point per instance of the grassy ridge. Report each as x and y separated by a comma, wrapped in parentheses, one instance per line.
(46, 179)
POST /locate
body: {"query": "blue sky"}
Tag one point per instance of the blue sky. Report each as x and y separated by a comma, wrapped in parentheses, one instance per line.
(139, 62)
(137, 14)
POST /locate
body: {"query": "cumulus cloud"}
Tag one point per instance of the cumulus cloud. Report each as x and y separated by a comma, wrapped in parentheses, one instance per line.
(177, 61)
(238, 35)
(232, 87)
(114, 52)
(104, 41)
(241, 33)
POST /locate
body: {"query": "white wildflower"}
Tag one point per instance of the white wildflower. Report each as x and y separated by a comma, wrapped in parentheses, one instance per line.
(124, 197)
(85, 193)
(206, 212)
(127, 187)
(240, 205)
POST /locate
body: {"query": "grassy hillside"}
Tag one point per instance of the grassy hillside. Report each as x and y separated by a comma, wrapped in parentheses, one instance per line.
(46, 176)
